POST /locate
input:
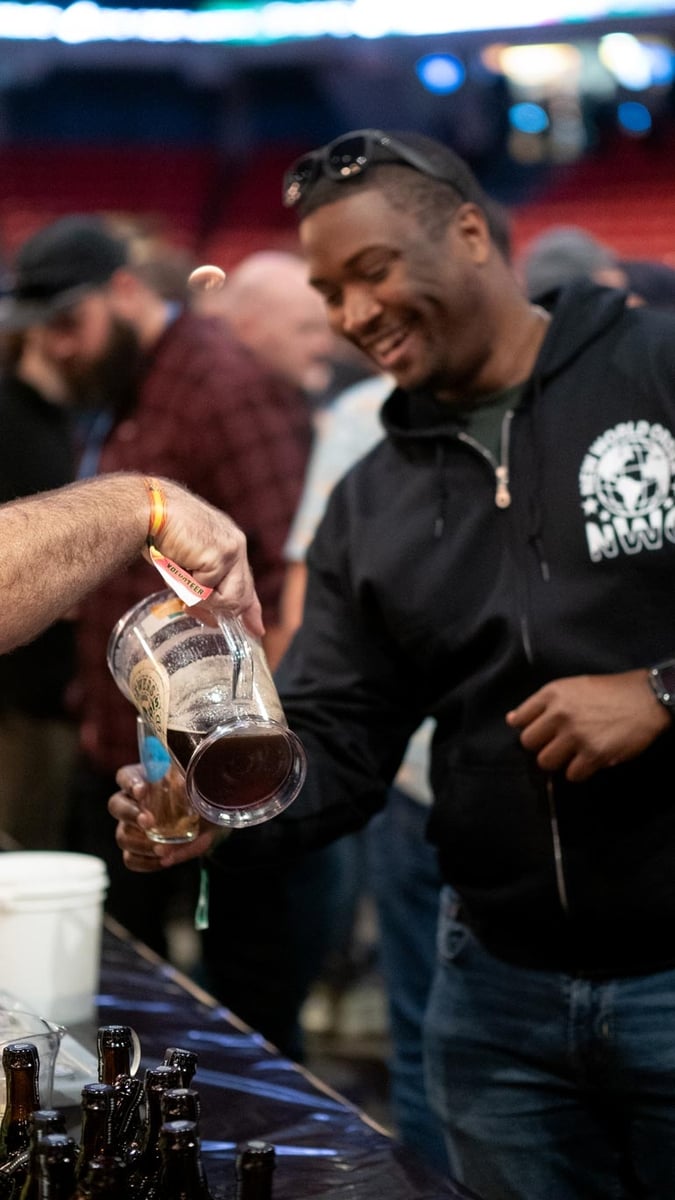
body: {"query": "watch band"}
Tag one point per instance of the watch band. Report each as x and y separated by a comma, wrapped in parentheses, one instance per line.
(662, 680)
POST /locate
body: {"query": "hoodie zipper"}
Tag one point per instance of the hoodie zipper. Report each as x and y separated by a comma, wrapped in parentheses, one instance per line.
(558, 861)
(503, 494)
(503, 500)
(501, 468)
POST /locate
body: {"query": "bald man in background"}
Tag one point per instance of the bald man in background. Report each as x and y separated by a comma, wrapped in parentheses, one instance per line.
(268, 303)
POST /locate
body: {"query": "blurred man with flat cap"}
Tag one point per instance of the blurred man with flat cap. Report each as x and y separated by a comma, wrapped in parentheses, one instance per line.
(161, 390)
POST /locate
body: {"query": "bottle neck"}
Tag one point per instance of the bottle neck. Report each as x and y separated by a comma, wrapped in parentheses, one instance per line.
(22, 1095)
(114, 1063)
(255, 1165)
(96, 1137)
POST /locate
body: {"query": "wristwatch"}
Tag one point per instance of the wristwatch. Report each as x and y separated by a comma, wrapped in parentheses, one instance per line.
(662, 680)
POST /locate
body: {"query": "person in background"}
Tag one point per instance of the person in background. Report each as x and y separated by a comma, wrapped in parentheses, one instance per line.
(653, 282)
(502, 562)
(58, 546)
(391, 860)
(38, 736)
(269, 305)
(164, 391)
(563, 254)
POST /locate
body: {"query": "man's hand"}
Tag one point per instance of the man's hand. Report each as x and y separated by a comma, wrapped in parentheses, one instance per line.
(586, 722)
(208, 544)
(138, 852)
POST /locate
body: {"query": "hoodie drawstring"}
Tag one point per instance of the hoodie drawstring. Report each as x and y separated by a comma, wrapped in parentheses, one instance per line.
(441, 491)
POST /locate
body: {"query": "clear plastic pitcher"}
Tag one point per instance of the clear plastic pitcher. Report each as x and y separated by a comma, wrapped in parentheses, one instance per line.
(204, 685)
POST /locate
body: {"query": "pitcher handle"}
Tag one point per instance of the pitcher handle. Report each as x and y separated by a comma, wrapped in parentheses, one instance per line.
(240, 653)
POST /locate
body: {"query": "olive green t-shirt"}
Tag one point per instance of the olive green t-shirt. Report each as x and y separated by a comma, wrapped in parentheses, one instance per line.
(483, 421)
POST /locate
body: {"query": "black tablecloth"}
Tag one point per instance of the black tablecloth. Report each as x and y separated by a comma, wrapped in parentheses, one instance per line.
(325, 1147)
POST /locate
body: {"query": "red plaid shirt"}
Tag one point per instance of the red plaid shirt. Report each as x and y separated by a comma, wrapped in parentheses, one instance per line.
(210, 417)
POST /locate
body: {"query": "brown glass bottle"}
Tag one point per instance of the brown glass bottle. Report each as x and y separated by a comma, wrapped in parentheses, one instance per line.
(114, 1044)
(104, 1179)
(21, 1065)
(254, 1169)
(185, 1060)
(147, 1165)
(115, 1048)
(17, 1170)
(42, 1122)
(97, 1127)
(181, 1104)
(128, 1123)
(182, 1175)
(46, 1120)
(51, 1174)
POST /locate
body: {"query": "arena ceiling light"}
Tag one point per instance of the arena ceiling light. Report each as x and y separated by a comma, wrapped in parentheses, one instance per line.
(283, 20)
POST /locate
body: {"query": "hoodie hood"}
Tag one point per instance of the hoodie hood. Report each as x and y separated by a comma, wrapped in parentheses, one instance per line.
(582, 314)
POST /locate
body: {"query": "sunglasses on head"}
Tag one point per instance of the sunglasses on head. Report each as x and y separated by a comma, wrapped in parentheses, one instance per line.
(351, 155)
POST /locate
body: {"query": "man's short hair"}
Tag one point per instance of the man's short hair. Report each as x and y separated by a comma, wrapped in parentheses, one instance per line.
(432, 187)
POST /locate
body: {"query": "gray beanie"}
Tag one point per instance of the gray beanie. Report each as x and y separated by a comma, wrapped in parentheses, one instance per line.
(559, 256)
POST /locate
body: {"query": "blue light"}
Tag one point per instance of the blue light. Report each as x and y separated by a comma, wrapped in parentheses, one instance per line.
(662, 63)
(440, 73)
(528, 117)
(634, 117)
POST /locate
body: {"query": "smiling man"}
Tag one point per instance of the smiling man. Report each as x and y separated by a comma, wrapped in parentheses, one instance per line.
(504, 562)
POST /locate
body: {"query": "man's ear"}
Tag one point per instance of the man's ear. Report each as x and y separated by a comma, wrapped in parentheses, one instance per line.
(472, 227)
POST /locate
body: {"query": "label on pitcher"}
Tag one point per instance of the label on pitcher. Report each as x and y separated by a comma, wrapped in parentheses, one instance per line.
(149, 687)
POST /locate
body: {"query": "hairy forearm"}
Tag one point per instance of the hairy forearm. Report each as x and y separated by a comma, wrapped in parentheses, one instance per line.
(57, 546)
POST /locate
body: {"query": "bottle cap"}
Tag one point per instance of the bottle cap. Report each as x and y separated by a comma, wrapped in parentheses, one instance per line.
(255, 1156)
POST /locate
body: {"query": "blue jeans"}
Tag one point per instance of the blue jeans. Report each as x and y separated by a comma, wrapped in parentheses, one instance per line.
(406, 886)
(551, 1087)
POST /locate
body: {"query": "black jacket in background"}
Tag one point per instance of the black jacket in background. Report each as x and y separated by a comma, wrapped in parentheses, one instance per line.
(35, 455)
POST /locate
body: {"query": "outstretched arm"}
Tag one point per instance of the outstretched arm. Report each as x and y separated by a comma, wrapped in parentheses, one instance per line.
(57, 546)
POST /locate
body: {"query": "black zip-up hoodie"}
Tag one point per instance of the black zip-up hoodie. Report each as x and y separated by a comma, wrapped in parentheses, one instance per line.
(432, 591)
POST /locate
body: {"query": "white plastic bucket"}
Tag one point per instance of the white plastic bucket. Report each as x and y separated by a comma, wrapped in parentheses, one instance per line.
(51, 915)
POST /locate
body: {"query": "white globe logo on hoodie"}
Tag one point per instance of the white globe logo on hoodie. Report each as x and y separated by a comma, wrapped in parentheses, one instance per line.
(626, 484)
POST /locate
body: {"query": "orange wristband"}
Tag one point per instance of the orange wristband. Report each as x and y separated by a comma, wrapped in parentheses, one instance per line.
(158, 509)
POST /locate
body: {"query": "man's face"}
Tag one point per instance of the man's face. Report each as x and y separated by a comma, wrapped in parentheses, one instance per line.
(415, 305)
(96, 352)
(295, 338)
(284, 323)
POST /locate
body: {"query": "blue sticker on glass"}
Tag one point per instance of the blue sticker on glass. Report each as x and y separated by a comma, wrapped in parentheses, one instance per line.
(155, 759)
